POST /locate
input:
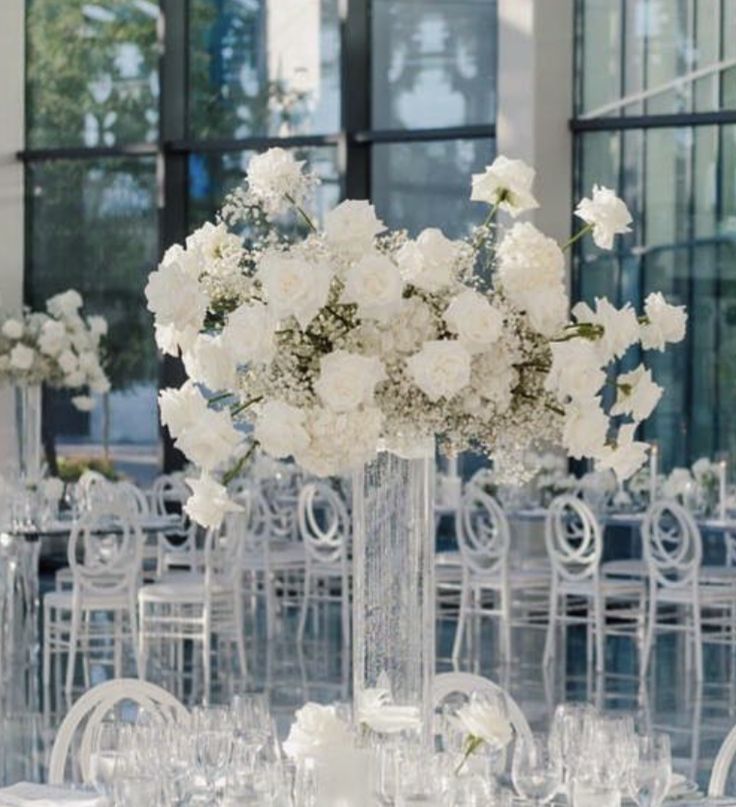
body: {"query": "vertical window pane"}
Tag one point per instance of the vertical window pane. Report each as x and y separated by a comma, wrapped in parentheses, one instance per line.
(418, 185)
(92, 72)
(92, 226)
(434, 63)
(263, 68)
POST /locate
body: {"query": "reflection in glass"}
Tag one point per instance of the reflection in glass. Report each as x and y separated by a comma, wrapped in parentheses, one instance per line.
(433, 63)
(92, 226)
(427, 184)
(263, 68)
(92, 72)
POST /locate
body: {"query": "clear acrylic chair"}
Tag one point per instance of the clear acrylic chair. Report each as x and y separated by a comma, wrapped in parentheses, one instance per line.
(324, 525)
(99, 611)
(574, 542)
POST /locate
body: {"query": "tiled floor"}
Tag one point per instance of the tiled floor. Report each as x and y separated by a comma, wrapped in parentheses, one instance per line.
(698, 718)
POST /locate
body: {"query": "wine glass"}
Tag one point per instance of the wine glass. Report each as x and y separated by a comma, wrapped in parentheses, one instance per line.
(104, 756)
(536, 768)
(213, 749)
(650, 776)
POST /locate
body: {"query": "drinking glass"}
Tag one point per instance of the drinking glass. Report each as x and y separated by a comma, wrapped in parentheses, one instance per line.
(102, 760)
(536, 769)
(213, 749)
(650, 776)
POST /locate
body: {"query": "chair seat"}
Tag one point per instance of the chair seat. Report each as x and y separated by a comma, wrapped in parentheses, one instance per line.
(718, 574)
(451, 558)
(610, 587)
(709, 593)
(632, 567)
(178, 588)
(88, 601)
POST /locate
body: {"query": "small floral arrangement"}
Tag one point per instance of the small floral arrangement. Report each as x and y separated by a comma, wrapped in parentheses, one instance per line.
(551, 476)
(328, 343)
(696, 487)
(483, 723)
(58, 347)
(377, 712)
(317, 732)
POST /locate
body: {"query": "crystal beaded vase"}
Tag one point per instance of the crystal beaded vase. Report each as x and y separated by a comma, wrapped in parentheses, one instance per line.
(28, 431)
(393, 569)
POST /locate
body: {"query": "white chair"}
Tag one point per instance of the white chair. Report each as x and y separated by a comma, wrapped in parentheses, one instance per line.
(673, 551)
(324, 525)
(94, 706)
(574, 544)
(722, 766)
(197, 607)
(462, 683)
(104, 554)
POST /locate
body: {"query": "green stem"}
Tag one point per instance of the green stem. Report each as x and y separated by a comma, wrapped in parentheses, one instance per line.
(220, 397)
(238, 467)
(471, 746)
(578, 235)
(301, 212)
(238, 409)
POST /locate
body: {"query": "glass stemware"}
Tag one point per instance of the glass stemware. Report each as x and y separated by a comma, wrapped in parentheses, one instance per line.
(650, 775)
(536, 769)
(103, 759)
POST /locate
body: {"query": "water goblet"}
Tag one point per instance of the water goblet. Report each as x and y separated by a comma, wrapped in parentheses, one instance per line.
(103, 758)
(536, 768)
(650, 775)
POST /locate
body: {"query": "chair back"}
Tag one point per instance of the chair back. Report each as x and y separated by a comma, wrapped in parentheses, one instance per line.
(722, 766)
(223, 553)
(672, 545)
(484, 479)
(483, 533)
(573, 539)
(94, 706)
(130, 496)
(168, 495)
(462, 683)
(89, 489)
(104, 550)
(253, 524)
(324, 524)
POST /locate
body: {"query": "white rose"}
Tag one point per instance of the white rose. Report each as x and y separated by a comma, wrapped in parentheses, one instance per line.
(170, 340)
(347, 380)
(64, 305)
(22, 357)
(53, 338)
(280, 429)
(316, 732)
(83, 403)
(440, 369)
(176, 298)
(620, 326)
(89, 362)
(585, 429)
(209, 362)
(703, 468)
(678, 483)
(482, 720)
(210, 440)
(250, 334)
(374, 284)
(637, 394)
(506, 183)
(376, 711)
(294, 287)
(576, 370)
(74, 379)
(352, 226)
(429, 262)
(475, 321)
(181, 408)
(627, 456)
(277, 180)
(221, 251)
(209, 502)
(666, 324)
(12, 329)
(606, 213)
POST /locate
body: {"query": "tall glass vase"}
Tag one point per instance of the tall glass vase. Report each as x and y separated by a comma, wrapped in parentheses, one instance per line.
(393, 584)
(28, 431)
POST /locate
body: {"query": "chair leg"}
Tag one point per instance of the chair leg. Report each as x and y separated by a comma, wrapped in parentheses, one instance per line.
(600, 634)
(305, 607)
(142, 647)
(460, 629)
(345, 612)
(505, 624)
(72, 656)
(46, 651)
(207, 656)
(240, 634)
(649, 634)
(549, 644)
(697, 637)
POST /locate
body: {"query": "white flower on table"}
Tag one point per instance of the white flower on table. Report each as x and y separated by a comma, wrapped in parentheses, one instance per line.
(294, 287)
(64, 305)
(209, 503)
(483, 722)
(620, 326)
(429, 263)
(22, 357)
(53, 338)
(352, 226)
(665, 323)
(627, 455)
(606, 215)
(506, 183)
(637, 394)
(576, 370)
(377, 711)
(181, 408)
(374, 284)
(678, 483)
(210, 440)
(441, 368)
(280, 429)
(12, 329)
(210, 362)
(585, 428)
(347, 380)
(476, 322)
(83, 403)
(176, 298)
(250, 334)
(316, 732)
(277, 180)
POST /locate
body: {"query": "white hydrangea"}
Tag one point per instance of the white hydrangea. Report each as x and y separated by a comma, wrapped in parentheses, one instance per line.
(506, 183)
(64, 305)
(53, 338)
(585, 430)
(22, 357)
(620, 326)
(627, 455)
(83, 403)
(277, 180)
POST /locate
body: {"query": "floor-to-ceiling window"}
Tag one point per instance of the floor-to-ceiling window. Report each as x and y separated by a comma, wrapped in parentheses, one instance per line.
(142, 115)
(655, 119)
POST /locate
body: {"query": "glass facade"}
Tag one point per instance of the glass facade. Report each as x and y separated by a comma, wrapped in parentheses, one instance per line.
(136, 130)
(676, 170)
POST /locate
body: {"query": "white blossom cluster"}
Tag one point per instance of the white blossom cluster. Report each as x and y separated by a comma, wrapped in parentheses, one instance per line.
(59, 347)
(328, 343)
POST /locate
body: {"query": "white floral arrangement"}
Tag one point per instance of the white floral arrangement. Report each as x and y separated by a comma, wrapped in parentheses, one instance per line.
(697, 486)
(327, 343)
(59, 347)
